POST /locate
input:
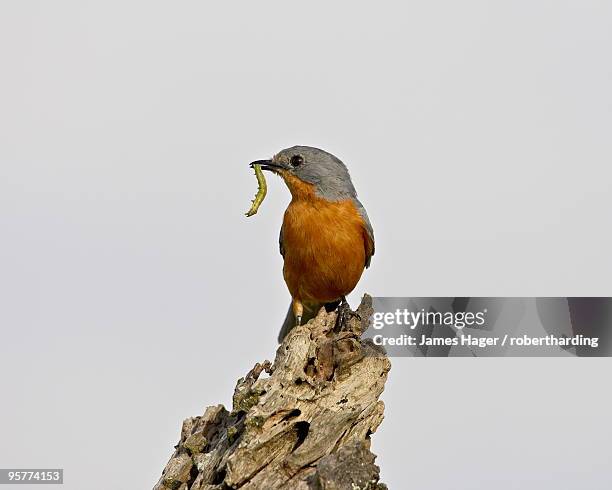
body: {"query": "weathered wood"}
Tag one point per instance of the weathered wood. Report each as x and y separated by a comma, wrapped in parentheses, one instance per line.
(306, 425)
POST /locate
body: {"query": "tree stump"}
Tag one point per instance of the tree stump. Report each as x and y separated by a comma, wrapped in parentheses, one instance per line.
(306, 424)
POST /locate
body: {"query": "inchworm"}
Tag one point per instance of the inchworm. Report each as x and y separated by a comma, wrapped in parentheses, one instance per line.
(262, 188)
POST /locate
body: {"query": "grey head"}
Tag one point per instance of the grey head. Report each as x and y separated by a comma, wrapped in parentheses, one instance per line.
(322, 169)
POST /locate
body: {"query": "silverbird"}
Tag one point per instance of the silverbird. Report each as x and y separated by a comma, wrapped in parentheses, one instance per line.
(326, 238)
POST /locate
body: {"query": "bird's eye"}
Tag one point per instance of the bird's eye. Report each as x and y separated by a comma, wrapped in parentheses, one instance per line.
(296, 160)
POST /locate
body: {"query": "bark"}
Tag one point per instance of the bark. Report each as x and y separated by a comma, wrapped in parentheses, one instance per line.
(305, 424)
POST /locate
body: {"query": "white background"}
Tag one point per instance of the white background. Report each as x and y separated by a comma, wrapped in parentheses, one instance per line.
(133, 291)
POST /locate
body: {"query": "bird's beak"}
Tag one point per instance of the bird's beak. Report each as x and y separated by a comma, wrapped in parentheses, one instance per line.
(267, 165)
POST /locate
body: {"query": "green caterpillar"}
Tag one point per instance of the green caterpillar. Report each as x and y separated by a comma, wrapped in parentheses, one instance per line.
(262, 189)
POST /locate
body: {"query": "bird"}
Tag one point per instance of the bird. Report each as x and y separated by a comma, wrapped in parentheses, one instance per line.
(326, 238)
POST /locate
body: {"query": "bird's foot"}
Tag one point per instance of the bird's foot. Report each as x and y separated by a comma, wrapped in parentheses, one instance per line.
(344, 315)
(298, 311)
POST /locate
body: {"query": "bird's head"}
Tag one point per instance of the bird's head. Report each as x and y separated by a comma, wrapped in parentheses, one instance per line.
(307, 170)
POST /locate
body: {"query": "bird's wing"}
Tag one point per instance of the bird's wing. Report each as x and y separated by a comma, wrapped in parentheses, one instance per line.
(369, 232)
(281, 248)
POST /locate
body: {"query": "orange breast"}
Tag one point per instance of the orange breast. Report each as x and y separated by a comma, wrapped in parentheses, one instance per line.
(324, 248)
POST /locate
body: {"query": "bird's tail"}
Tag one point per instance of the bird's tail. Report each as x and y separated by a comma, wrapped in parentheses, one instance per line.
(310, 311)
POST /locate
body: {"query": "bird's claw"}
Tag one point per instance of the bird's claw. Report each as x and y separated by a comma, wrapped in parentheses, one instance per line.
(344, 315)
